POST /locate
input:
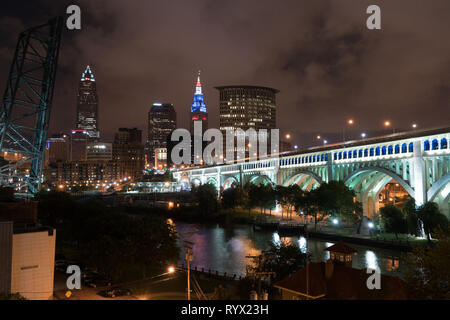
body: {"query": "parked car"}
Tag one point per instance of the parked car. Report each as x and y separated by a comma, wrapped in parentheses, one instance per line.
(90, 273)
(61, 265)
(115, 292)
(97, 281)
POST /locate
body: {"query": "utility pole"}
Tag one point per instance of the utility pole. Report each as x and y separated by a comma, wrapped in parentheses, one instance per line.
(189, 257)
(307, 274)
(260, 274)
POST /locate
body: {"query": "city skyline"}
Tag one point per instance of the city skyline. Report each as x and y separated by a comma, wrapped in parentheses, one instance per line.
(225, 150)
(322, 58)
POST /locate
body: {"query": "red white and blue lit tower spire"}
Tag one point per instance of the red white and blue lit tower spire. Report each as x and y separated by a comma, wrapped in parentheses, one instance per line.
(198, 107)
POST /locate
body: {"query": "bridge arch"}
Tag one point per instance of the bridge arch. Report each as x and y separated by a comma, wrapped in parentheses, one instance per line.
(438, 186)
(368, 182)
(212, 181)
(261, 177)
(306, 179)
(440, 193)
(229, 182)
(362, 173)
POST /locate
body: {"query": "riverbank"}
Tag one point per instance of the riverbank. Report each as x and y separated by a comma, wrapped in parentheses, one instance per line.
(384, 244)
(229, 218)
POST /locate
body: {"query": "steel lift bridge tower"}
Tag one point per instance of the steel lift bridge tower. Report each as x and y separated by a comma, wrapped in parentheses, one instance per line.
(26, 105)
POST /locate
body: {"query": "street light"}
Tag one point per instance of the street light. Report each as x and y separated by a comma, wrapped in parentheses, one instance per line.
(388, 124)
(363, 135)
(320, 138)
(350, 122)
(414, 125)
(287, 136)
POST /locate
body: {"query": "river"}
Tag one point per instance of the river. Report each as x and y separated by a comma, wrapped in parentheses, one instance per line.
(225, 249)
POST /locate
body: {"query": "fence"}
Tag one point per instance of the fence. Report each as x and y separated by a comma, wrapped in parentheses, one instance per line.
(213, 274)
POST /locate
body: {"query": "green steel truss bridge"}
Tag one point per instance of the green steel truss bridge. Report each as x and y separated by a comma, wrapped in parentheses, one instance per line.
(419, 161)
(26, 105)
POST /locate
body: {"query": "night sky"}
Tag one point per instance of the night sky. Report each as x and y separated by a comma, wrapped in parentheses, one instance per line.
(327, 65)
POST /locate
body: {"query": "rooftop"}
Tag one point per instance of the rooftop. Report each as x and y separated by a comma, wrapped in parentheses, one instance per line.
(247, 87)
(341, 247)
(344, 283)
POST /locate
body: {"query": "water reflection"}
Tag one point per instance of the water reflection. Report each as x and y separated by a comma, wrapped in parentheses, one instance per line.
(276, 238)
(225, 250)
(302, 244)
(371, 260)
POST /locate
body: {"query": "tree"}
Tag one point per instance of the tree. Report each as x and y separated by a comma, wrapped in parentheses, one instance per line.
(336, 199)
(268, 197)
(412, 219)
(393, 219)
(253, 196)
(283, 259)
(107, 238)
(206, 197)
(261, 196)
(432, 218)
(426, 269)
(308, 203)
(54, 206)
(287, 196)
(156, 243)
(233, 197)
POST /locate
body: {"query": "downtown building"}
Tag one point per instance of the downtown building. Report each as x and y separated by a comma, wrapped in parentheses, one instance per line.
(247, 107)
(27, 249)
(199, 114)
(162, 121)
(128, 152)
(84, 173)
(79, 140)
(87, 106)
(57, 149)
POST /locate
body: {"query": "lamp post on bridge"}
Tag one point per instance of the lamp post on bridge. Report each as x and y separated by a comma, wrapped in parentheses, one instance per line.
(350, 122)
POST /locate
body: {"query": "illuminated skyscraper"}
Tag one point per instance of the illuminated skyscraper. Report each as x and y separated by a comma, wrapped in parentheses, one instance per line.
(162, 120)
(87, 105)
(247, 107)
(198, 108)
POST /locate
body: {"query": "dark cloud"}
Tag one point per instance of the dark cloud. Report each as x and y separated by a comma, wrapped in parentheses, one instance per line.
(319, 54)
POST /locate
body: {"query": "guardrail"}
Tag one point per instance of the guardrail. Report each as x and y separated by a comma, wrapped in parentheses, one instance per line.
(213, 274)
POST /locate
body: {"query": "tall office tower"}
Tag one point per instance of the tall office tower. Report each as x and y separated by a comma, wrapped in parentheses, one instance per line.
(78, 144)
(162, 120)
(128, 151)
(99, 151)
(57, 149)
(198, 108)
(245, 107)
(87, 105)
